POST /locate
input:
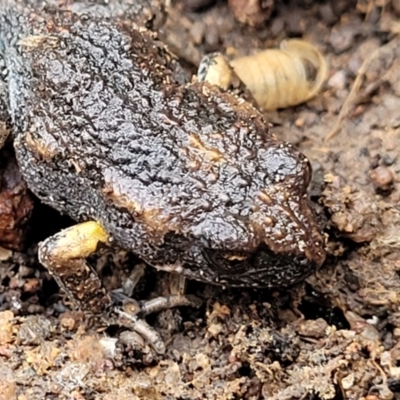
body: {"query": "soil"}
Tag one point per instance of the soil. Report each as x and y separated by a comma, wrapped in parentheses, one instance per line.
(336, 335)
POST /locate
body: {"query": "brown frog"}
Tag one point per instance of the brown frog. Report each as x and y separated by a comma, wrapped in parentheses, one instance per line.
(183, 174)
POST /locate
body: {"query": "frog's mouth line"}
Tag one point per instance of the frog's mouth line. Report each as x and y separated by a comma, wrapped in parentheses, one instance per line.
(241, 262)
(224, 261)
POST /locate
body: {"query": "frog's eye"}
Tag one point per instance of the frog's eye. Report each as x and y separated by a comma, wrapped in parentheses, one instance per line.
(225, 261)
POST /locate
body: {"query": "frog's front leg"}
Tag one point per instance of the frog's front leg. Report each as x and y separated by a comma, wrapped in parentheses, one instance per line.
(64, 256)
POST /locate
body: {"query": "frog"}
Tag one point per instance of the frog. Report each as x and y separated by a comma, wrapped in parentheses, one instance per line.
(108, 130)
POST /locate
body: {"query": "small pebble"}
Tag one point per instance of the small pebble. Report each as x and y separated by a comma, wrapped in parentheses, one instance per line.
(341, 39)
(5, 254)
(338, 80)
(33, 330)
(313, 328)
(277, 26)
(197, 32)
(381, 177)
(35, 309)
(396, 333)
(341, 6)
(212, 39)
(327, 14)
(348, 381)
(396, 6)
(252, 12)
(131, 339)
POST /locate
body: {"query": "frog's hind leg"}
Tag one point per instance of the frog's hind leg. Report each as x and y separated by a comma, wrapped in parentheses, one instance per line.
(64, 256)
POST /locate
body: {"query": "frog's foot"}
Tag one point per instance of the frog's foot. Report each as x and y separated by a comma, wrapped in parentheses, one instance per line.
(64, 256)
(132, 312)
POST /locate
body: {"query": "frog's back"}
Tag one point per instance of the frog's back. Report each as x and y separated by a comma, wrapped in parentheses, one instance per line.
(84, 99)
(104, 114)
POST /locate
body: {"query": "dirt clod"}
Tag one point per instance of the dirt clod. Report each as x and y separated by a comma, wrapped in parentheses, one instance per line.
(15, 203)
(252, 12)
(381, 177)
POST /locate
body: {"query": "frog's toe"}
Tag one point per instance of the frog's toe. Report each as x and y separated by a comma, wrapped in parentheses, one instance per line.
(141, 327)
(132, 312)
(171, 301)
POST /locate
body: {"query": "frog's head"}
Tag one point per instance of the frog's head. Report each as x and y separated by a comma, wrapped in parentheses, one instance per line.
(274, 240)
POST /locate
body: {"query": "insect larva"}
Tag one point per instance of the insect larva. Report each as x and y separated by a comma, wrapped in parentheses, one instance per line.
(277, 78)
(215, 69)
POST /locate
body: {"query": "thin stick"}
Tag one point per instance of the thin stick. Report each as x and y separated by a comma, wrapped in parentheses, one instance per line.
(391, 47)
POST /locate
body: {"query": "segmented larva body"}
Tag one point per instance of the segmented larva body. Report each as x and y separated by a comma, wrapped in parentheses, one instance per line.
(277, 78)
